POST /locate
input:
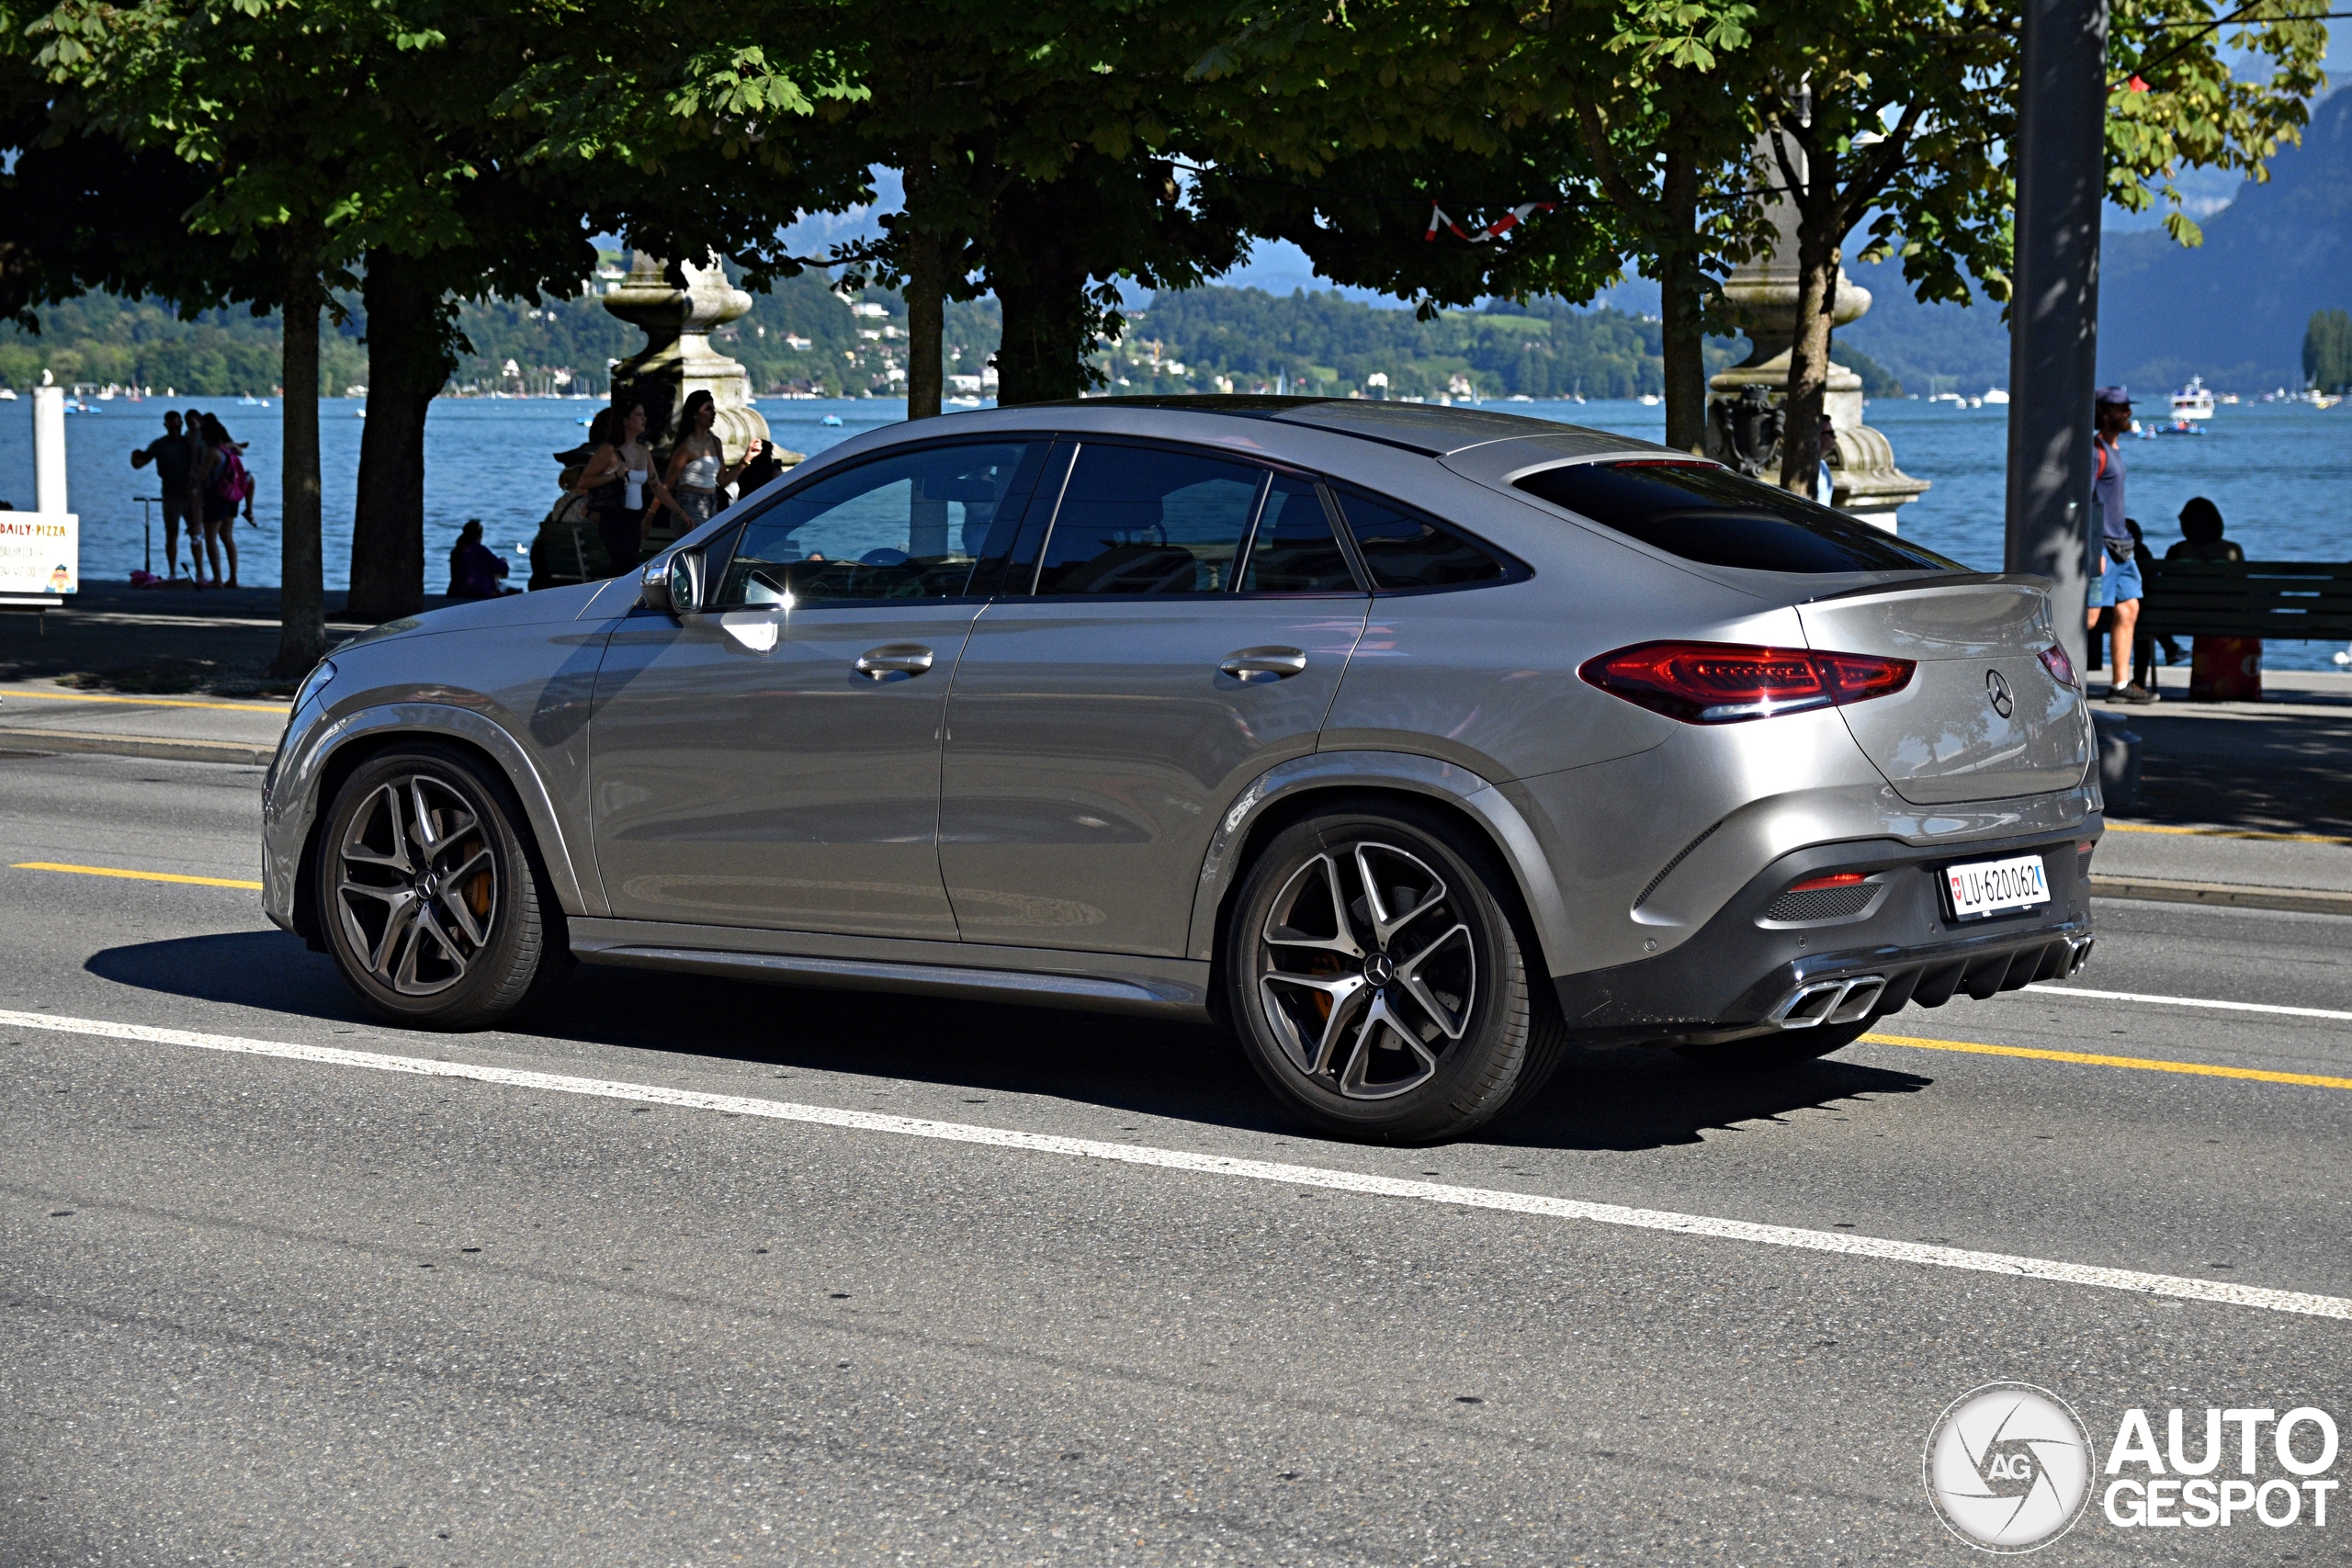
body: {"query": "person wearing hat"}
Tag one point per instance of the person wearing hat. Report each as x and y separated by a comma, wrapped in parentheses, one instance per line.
(2115, 591)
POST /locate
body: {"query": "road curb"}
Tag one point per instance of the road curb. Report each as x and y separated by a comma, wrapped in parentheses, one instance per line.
(151, 745)
(2300, 900)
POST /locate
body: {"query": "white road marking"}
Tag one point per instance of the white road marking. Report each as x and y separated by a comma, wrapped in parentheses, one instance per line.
(2223, 1293)
(2189, 1002)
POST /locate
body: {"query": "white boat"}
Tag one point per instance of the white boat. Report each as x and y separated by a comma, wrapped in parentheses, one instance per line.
(1650, 399)
(2193, 401)
(1994, 397)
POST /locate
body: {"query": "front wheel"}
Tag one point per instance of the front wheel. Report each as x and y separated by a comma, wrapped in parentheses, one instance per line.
(1379, 979)
(434, 904)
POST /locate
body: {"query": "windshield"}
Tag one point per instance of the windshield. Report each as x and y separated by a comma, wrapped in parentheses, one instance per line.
(1705, 512)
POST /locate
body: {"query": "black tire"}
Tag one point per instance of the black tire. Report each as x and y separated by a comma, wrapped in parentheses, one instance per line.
(452, 928)
(1780, 1050)
(1452, 1026)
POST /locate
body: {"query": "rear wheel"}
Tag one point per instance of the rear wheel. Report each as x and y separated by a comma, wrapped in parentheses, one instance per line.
(434, 906)
(1780, 1050)
(1379, 976)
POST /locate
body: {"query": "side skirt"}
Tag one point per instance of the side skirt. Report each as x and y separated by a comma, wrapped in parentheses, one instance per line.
(1126, 983)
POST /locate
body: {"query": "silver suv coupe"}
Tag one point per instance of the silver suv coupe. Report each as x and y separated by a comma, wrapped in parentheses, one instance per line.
(1411, 743)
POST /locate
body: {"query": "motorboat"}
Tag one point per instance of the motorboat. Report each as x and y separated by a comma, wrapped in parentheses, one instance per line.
(2193, 401)
(1996, 397)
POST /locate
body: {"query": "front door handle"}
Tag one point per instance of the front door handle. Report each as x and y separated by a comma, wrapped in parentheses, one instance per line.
(1253, 664)
(894, 661)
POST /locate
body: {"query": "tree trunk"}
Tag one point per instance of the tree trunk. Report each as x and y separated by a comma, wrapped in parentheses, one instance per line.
(1040, 282)
(301, 596)
(1679, 295)
(1817, 258)
(926, 326)
(407, 365)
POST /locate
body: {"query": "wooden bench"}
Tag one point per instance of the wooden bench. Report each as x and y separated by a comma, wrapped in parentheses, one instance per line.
(2268, 599)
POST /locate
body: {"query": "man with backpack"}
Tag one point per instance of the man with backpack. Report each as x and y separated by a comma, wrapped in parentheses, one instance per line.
(223, 486)
(2115, 591)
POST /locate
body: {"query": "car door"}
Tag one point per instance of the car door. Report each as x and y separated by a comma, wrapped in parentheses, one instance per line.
(1189, 620)
(773, 759)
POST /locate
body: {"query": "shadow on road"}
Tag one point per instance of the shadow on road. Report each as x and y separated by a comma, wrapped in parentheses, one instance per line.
(1615, 1100)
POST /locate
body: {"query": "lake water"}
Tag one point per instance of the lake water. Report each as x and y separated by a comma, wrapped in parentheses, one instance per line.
(2280, 473)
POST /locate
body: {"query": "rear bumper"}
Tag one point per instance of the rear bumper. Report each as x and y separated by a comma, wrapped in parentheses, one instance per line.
(1745, 974)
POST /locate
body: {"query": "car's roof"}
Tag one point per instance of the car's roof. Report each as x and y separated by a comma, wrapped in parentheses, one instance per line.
(1432, 429)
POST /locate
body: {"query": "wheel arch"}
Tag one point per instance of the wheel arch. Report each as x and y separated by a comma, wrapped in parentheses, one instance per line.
(358, 737)
(1288, 791)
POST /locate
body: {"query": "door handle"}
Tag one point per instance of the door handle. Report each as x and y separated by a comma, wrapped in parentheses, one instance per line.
(1253, 664)
(894, 661)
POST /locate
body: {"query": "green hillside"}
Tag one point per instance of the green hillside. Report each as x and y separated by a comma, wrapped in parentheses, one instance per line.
(800, 335)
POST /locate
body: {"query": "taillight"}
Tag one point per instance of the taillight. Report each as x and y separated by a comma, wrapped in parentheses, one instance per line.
(1713, 682)
(1842, 879)
(2060, 668)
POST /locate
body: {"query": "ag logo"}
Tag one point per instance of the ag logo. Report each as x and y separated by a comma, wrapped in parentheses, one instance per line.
(2008, 1467)
(1997, 692)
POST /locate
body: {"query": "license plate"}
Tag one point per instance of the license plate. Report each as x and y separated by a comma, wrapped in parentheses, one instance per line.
(1996, 886)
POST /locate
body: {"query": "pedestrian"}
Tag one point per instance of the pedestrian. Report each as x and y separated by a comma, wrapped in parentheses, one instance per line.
(173, 462)
(620, 486)
(2143, 641)
(2115, 591)
(474, 568)
(760, 469)
(2221, 669)
(223, 486)
(699, 472)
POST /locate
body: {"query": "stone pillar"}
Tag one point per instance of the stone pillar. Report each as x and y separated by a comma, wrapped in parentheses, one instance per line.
(1744, 401)
(677, 358)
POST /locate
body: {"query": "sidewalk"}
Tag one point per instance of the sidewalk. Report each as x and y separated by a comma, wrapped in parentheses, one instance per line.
(42, 716)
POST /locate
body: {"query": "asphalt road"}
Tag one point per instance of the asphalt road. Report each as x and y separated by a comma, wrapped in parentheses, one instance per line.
(293, 1312)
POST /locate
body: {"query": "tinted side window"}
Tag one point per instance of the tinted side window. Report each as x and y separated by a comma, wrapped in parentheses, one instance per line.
(1706, 514)
(1294, 550)
(1143, 520)
(1409, 549)
(907, 526)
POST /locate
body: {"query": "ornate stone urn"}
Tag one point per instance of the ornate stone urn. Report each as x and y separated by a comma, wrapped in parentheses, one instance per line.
(1744, 401)
(677, 358)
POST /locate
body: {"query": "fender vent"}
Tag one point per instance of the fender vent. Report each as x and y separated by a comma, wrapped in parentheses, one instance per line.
(1678, 859)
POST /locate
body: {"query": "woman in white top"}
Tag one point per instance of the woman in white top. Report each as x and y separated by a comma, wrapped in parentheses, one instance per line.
(620, 487)
(699, 472)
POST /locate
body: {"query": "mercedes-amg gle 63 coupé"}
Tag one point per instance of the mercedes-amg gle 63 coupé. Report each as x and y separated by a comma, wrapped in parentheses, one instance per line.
(1412, 744)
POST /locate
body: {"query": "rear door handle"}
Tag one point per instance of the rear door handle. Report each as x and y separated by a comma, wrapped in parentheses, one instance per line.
(894, 661)
(1253, 664)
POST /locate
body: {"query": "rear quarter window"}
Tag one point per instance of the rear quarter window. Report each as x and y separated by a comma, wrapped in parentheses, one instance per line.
(1405, 550)
(1704, 513)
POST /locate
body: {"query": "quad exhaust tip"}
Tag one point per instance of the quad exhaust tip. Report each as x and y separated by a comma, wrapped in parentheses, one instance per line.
(1830, 1001)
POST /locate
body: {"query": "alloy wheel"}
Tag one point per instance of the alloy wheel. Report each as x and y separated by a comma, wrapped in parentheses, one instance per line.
(417, 885)
(1366, 970)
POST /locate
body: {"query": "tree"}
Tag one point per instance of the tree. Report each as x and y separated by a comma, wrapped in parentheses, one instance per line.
(1624, 115)
(2327, 351)
(263, 98)
(1901, 113)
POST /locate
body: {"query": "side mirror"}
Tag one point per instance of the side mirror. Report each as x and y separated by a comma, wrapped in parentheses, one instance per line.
(672, 584)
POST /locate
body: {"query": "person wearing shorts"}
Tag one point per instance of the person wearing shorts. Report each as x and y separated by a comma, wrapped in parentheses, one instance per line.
(175, 461)
(2115, 591)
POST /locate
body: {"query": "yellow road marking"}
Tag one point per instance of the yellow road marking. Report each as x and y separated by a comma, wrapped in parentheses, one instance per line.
(2142, 1064)
(142, 702)
(2228, 833)
(135, 875)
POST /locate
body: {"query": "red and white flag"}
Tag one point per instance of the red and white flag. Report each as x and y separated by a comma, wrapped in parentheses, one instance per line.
(1500, 227)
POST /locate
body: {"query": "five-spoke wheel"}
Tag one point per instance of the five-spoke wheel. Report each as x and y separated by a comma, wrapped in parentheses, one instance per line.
(1379, 976)
(427, 894)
